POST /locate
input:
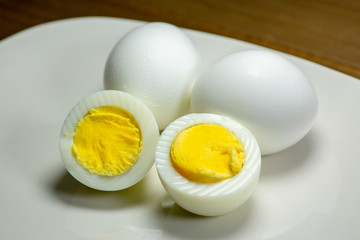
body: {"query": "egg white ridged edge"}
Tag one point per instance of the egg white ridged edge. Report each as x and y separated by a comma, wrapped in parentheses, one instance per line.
(150, 135)
(175, 184)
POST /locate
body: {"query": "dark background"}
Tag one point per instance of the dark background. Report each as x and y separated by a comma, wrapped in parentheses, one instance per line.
(323, 31)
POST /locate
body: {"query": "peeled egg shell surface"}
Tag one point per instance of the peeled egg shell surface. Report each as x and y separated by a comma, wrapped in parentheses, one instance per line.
(262, 90)
(156, 63)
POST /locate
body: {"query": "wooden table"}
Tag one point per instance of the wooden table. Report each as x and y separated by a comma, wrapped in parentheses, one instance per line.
(323, 31)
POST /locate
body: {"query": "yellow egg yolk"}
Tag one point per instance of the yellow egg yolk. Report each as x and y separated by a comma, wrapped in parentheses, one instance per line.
(107, 141)
(207, 153)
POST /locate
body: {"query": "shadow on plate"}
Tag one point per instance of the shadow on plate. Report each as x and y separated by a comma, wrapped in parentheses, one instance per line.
(70, 191)
(181, 224)
(290, 159)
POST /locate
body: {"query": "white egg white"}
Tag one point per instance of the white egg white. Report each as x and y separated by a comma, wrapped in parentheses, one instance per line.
(263, 91)
(150, 134)
(157, 63)
(210, 199)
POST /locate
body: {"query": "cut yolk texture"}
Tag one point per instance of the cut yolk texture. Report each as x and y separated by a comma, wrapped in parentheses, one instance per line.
(207, 153)
(107, 141)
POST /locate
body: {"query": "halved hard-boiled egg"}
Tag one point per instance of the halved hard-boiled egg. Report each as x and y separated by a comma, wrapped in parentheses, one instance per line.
(108, 140)
(209, 164)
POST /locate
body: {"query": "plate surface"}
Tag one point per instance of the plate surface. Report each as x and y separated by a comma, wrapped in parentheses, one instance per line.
(309, 191)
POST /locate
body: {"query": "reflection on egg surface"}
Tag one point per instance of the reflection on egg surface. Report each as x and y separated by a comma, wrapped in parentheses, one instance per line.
(209, 164)
(108, 140)
(263, 91)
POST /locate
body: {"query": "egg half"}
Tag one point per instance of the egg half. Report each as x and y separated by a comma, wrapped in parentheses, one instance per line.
(209, 164)
(157, 63)
(108, 140)
(263, 91)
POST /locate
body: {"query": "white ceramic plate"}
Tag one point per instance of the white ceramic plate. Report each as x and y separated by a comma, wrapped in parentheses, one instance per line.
(309, 191)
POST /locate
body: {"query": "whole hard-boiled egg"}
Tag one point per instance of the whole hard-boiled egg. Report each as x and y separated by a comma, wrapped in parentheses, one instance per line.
(263, 91)
(158, 64)
(108, 140)
(209, 164)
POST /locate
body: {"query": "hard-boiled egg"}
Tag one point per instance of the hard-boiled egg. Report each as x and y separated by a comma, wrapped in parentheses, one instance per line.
(262, 90)
(108, 140)
(156, 63)
(209, 164)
